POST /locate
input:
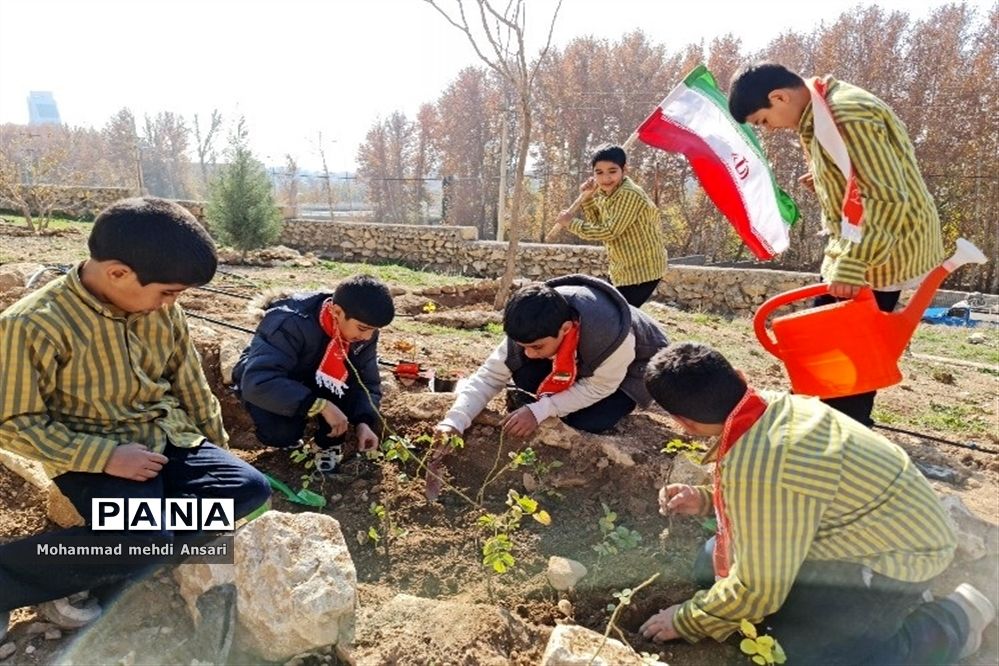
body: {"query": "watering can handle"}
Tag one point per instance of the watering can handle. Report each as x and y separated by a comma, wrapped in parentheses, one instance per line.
(779, 301)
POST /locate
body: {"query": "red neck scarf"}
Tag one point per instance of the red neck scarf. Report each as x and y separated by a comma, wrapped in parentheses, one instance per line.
(746, 413)
(332, 370)
(563, 374)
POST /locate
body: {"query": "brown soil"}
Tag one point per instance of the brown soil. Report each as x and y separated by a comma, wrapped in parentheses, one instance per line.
(436, 552)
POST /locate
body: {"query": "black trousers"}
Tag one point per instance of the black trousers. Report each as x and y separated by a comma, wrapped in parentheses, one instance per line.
(859, 406)
(598, 417)
(206, 471)
(285, 432)
(636, 294)
(843, 614)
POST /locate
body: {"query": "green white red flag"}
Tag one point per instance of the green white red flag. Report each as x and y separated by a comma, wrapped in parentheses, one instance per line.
(727, 159)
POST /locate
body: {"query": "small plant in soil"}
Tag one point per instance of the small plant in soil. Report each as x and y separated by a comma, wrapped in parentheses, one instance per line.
(763, 650)
(676, 445)
(616, 538)
(624, 598)
(385, 530)
(305, 456)
(540, 471)
(498, 546)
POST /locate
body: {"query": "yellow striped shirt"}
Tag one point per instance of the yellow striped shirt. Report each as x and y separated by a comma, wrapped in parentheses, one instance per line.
(628, 223)
(808, 483)
(78, 377)
(902, 238)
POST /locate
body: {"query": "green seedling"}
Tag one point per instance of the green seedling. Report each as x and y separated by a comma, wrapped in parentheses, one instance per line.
(624, 598)
(616, 538)
(497, 549)
(763, 650)
(303, 455)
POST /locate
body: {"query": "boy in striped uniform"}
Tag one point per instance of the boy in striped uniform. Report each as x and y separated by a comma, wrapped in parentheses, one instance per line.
(881, 221)
(620, 214)
(101, 383)
(827, 532)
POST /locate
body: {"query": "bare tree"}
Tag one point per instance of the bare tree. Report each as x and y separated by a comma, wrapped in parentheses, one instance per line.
(204, 142)
(326, 175)
(502, 36)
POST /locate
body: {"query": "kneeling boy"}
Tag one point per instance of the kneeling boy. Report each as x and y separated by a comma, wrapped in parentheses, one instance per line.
(826, 530)
(314, 355)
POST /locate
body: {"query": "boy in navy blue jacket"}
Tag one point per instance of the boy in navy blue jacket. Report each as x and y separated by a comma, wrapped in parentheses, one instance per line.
(314, 355)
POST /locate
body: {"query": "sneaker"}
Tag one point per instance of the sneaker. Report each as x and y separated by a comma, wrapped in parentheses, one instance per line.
(980, 611)
(4, 624)
(70, 612)
(327, 460)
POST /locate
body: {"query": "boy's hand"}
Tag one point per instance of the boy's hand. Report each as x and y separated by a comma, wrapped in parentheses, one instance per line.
(588, 188)
(681, 499)
(807, 181)
(135, 462)
(520, 423)
(844, 290)
(336, 419)
(659, 627)
(367, 440)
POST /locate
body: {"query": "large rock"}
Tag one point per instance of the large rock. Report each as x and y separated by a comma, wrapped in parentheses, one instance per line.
(571, 645)
(296, 585)
(414, 630)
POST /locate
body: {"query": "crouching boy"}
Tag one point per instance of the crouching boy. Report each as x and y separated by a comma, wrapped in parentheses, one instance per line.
(576, 347)
(827, 532)
(315, 356)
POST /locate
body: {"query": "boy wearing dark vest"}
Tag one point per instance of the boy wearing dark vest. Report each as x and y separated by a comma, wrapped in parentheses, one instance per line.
(315, 356)
(576, 346)
(827, 533)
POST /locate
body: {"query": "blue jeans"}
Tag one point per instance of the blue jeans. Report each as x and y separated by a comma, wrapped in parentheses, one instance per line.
(840, 613)
(205, 471)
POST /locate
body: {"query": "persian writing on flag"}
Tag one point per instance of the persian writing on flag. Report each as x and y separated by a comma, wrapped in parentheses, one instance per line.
(726, 158)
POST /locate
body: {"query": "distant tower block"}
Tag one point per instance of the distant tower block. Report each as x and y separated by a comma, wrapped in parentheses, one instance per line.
(42, 109)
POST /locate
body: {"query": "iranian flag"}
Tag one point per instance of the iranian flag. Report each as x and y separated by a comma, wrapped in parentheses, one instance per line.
(727, 159)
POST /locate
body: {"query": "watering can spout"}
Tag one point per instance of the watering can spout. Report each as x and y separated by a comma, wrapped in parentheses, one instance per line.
(905, 322)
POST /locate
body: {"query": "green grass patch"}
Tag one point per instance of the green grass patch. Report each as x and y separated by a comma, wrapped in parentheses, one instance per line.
(57, 223)
(952, 342)
(954, 419)
(423, 328)
(885, 416)
(393, 273)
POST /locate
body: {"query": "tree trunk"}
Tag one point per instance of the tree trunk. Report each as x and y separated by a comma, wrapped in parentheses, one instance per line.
(518, 194)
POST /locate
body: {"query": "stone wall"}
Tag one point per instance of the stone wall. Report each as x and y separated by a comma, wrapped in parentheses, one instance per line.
(458, 250)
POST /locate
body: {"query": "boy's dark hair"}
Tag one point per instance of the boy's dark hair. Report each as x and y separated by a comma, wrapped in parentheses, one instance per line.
(158, 239)
(534, 312)
(694, 381)
(366, 299)
(608, 152)
(752, 85)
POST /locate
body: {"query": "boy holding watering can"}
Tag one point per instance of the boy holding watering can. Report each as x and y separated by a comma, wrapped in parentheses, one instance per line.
(827, 533)
(881, 221)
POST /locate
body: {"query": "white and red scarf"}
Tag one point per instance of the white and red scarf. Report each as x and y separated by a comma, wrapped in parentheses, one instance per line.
(332, 370)
(828, 136)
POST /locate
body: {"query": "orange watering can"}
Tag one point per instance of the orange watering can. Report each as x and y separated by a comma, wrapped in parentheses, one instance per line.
(851, 346)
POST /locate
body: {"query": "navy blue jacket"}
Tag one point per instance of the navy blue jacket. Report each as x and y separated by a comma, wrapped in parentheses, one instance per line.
(277, 371)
